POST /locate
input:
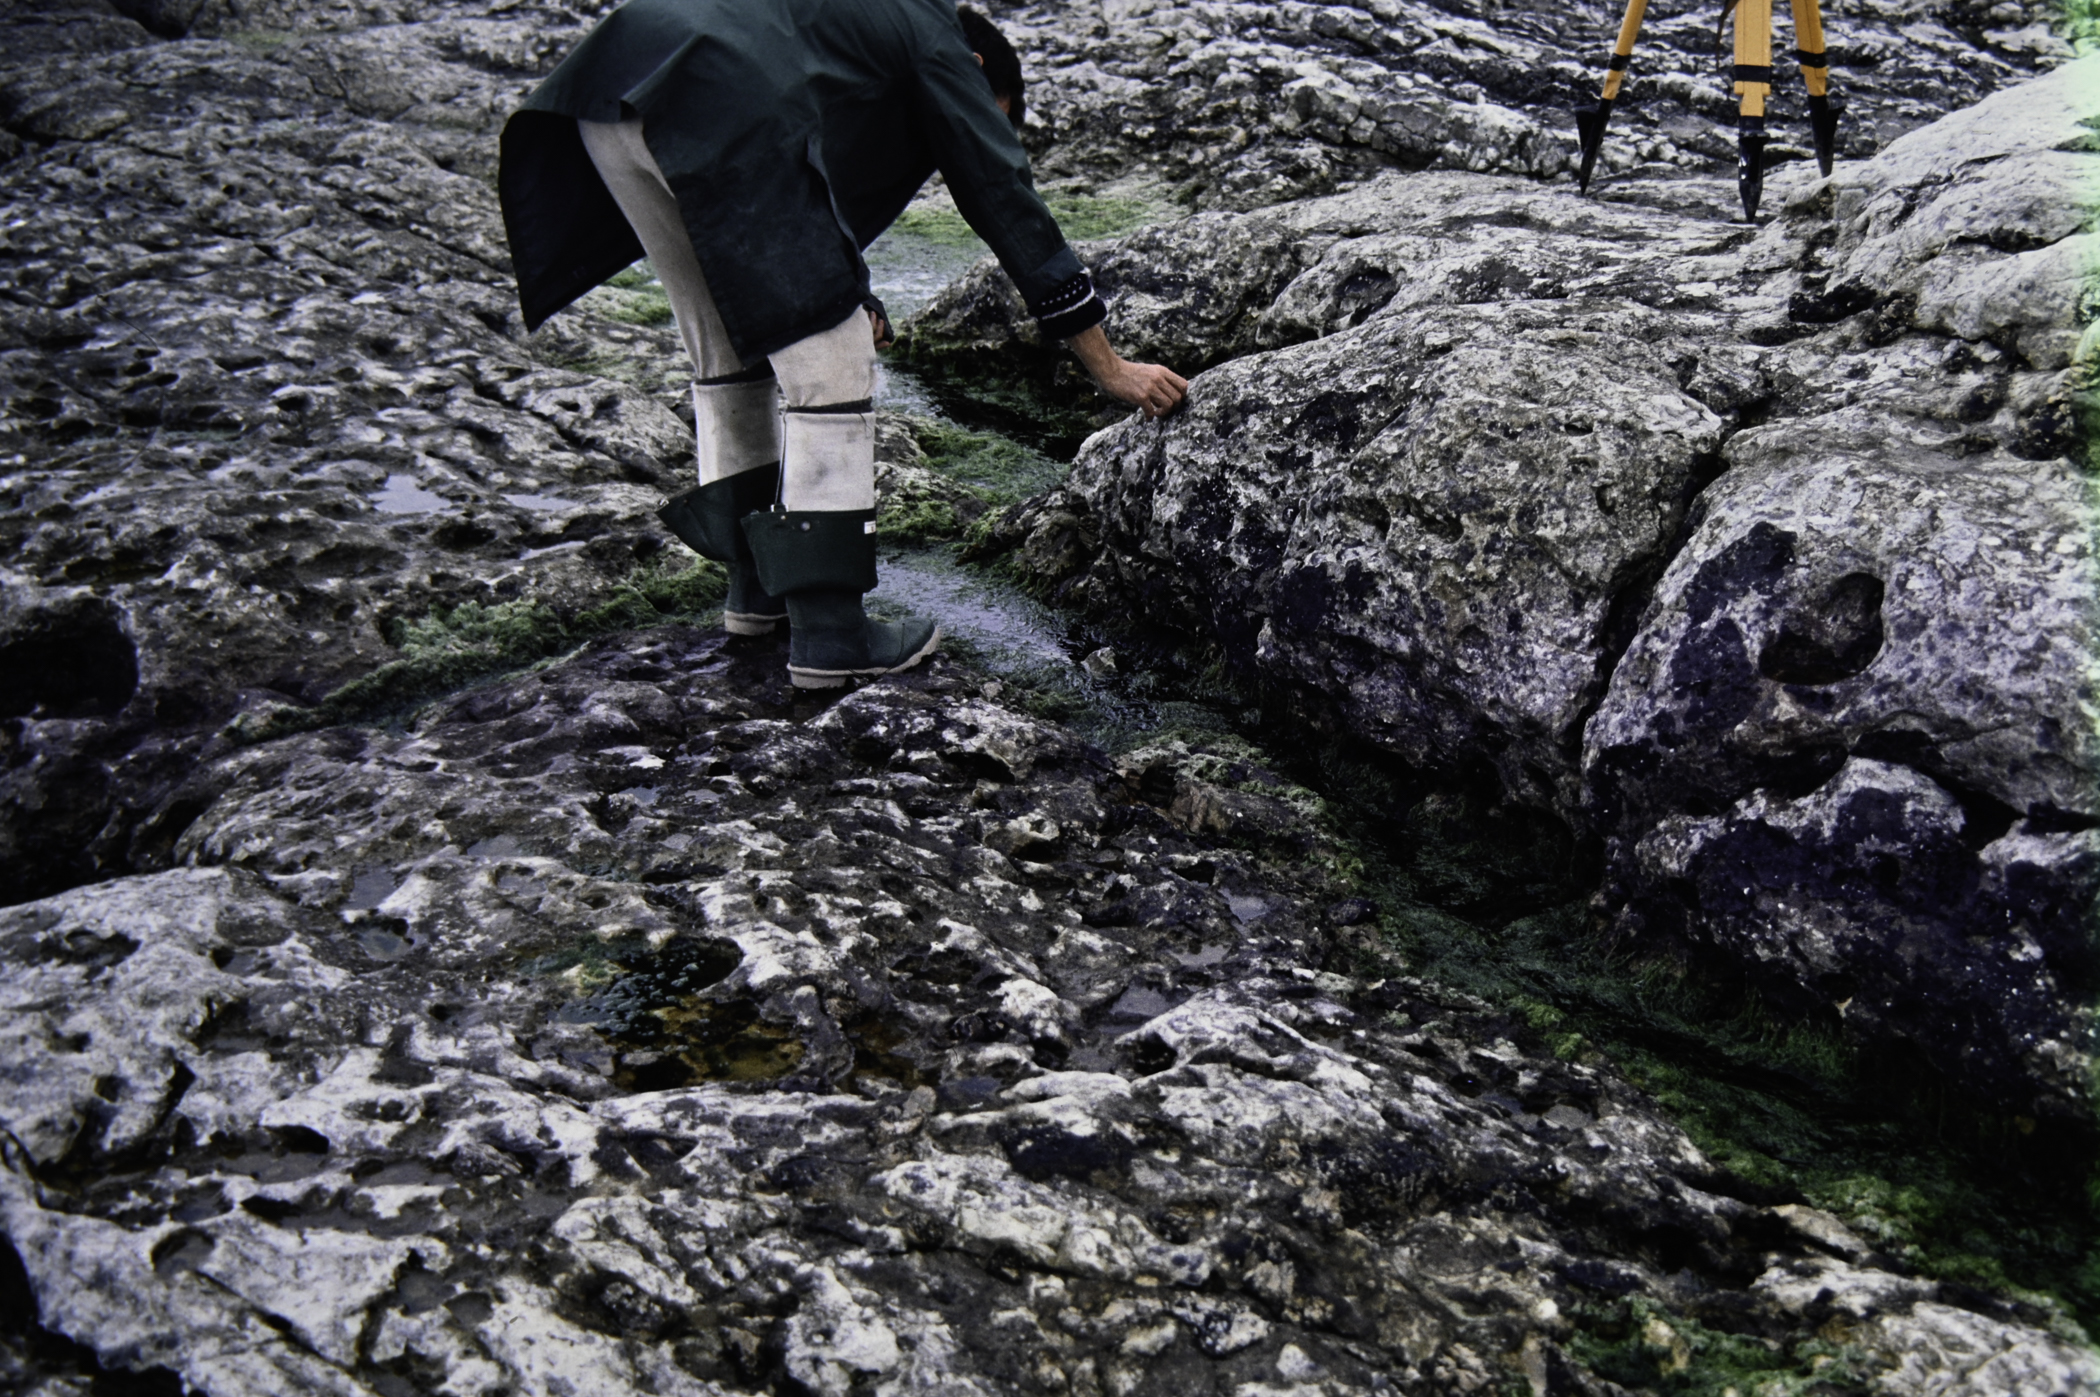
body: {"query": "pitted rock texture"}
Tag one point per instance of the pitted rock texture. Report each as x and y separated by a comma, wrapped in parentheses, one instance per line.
(267, 397)
(1242, 106)
(1842, 442)
(1248, 104)
(637, 1026)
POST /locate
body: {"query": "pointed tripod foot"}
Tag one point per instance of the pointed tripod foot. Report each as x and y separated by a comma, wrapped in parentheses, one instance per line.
(1590, 120)
(1750, 164)
(1823, 114)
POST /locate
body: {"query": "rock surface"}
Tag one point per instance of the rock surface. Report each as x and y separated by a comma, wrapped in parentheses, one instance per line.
(1249, 106)
(268, 401)
(633, 1024)
(261, 401)
(1872, 660)
(1241, 105)
(628, 1027)
(1817, 476)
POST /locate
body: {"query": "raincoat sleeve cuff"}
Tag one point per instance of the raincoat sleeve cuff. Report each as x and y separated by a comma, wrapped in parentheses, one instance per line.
(1069, 309)
(872, 303)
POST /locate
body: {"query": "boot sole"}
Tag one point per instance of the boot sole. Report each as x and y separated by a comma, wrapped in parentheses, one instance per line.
(804, 678)
(744, 623)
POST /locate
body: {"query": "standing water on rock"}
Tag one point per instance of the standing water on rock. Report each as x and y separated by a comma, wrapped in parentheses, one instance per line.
(1539, 836)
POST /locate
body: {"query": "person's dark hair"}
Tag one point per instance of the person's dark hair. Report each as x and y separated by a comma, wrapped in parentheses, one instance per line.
(1002, 66)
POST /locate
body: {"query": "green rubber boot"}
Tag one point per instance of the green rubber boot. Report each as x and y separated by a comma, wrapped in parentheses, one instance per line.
(823, 562)
(707, 518)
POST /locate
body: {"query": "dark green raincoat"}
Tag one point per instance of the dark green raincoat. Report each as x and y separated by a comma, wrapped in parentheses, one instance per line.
(792, 132)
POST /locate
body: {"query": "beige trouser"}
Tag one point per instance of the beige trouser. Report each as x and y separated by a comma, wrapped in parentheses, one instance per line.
(827, 459)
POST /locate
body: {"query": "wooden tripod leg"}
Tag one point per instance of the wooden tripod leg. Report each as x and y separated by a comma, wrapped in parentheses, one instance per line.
(1753, 54)
(1590, 120)
(1753, 83)
(1808, 47)
(1622, 48)
(1815, 72)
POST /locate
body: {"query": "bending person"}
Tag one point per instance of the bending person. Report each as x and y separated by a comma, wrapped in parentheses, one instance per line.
(751, 149)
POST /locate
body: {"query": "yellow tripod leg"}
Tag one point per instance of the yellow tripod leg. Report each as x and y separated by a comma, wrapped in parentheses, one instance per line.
(1753, 83)
(1815, 72)
(1622, 48)
(1590, 120)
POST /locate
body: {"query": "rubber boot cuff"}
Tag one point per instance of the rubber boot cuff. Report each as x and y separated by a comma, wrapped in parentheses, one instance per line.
(708, 519)
(800, 549)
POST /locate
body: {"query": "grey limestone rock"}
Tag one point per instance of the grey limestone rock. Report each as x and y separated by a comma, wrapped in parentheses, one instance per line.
(632, 1024)
(1657, 515)
(626, 1027)
(1256, 107)
(1882, 580)
(268, 400)
(1386, 521)
(1243, 105)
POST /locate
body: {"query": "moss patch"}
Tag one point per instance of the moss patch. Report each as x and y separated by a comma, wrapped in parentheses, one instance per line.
(2079, 23)
(451, 648)
(942, 227)
(1638, 1344)
(613, 366)
(1495, 903)
(1080, 217)
(645, 305)
(976, 473)
(914, 518)
(1000, 469)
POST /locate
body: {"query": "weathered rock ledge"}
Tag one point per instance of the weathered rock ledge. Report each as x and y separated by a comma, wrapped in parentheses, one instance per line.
(1762, 554)
(624, 1028)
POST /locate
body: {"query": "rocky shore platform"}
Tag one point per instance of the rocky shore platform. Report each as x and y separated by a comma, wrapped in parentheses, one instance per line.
(436, 960)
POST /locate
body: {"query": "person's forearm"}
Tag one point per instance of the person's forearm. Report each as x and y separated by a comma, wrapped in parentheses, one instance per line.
(1095, 352)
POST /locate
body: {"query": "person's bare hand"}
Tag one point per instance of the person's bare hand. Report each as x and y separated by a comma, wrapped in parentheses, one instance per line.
(1152, 389)
(884, 335)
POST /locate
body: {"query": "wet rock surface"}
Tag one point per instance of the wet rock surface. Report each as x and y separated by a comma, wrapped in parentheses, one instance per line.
(384, 1019)
(1664, 518)
(1246, 105)
(261, 405)
(1251, 107)
(635, 1026)
(269, 406)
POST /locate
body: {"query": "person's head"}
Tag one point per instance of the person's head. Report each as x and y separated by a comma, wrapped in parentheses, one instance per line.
(1001, 64)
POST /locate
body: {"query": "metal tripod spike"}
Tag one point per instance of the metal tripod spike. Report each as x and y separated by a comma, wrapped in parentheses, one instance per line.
(1753, 84)
(1815, 75)
(1590, 120)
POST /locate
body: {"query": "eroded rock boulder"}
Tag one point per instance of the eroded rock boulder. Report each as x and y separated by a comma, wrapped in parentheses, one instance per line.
(1888, 603)
(1430, 526)
(1840, 442)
